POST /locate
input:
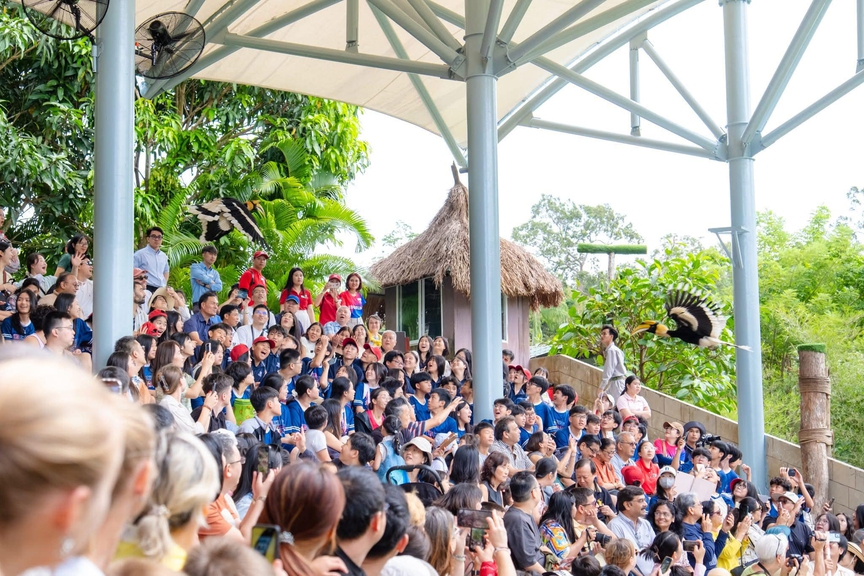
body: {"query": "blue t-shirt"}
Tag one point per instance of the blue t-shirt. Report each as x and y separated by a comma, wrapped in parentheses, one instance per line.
(269, 364)
(421, 411)
(725, 479)
(562, 437)
(520, 396)
(544, 413)
(559, 420)
(10, 334)
(295, 420)
(348, 419)
(446, 427)
(524, 435)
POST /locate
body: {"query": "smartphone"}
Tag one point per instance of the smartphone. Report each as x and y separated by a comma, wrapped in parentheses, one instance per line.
(476, 521)
(265, 539)
(664, 566)
(791, 472)
(243, 294)
(263, 460)
(689, 545)
(833, 537)
(209, 347)
(831, 503)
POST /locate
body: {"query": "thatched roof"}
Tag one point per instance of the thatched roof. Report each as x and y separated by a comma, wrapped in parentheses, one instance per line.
(444, 248)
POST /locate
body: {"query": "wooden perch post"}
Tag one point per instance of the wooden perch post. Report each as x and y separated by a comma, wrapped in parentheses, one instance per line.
(815, 435)
(611, 250)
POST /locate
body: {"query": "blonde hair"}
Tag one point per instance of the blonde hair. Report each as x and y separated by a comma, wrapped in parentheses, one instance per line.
(140, 439)
(79, 447)
(619, 552)
(169, 378)
(187, 480)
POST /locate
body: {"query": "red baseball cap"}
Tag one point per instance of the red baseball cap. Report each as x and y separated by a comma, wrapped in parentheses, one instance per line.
(238, 351)
(334, 277)
(519, 368)
(261, 339)
(136, 272)
(150, 329)
(374, 349)
(260, 253)
(629, 419)
(156, 314)
(347, 341)
(633, 476)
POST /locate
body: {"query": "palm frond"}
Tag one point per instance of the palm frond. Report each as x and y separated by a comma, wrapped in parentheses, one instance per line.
(182, 249)
(173, 213)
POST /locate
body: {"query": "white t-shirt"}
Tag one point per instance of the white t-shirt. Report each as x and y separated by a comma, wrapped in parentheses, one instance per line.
(315, 441)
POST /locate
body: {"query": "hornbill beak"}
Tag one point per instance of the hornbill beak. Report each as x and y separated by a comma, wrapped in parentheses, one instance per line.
(644, 327)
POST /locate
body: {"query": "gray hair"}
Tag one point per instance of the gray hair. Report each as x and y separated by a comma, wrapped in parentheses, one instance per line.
(770, 546)
(685, 501)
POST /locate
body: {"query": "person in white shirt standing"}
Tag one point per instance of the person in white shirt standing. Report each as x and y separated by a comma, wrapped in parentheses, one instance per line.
(151, 259)
(84, 294)
(614, 371)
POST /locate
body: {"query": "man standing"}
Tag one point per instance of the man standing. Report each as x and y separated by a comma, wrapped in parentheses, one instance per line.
(523, 536)
(507, 443)
(203, 276)
(612, 381)
(252, 276)
(363, 519)
(198, 325)
(152, 260)
(631, 524)
(625, 447)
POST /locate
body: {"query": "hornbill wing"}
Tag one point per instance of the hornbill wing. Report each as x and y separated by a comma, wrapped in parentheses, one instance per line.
(695, 312)
(213, 230)
(240, 216)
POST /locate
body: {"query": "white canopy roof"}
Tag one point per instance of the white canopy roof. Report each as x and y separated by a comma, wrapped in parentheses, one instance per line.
(232, 23)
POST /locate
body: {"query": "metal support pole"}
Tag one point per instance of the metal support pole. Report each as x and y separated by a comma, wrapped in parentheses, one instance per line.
(785, 69)
(860, 18)
(424, 36)
(352, 25)
(513, 20)
(649, 49)
(434, 23)
(483, 215)
(557, 25)
(113, 200)
(490, 32)
(635, 121)
(621, 138)
(748, 363)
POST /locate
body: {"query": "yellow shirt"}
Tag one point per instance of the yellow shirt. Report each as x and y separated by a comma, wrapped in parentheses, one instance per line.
(730, 557)
(174, 559)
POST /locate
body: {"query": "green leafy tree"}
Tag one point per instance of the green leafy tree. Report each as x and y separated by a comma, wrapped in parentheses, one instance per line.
(557, 226)
(696, 375)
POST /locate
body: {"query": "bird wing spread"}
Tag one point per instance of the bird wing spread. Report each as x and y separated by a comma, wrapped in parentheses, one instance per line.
(695, 311)
(219, 216)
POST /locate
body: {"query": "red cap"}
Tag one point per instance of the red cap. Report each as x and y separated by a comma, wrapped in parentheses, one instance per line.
(237, 351)
(374, 349)
(136, 272)
(347, 341)
(156, 314)
(261, 339)
(150, 329)
(521, 369)
(629, 418)
(335, 277)
(633, 476)
(260, 253)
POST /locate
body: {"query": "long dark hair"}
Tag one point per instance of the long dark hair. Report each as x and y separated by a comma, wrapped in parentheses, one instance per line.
(469, 429)
(664, 546)
(676, 524)
(274, 460)
(16, 317)
(466, 466)
(63, 302)
(469, 360)
(289, 282)
(70, 245)
(334, 416)
(561, 510)
(172, 319)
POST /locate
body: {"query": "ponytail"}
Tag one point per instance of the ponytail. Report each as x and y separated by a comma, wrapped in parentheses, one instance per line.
(392, 425)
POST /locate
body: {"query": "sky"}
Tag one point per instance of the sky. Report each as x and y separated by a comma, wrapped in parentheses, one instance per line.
(659, 192)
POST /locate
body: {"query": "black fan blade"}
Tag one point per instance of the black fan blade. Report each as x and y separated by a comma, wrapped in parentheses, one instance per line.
(66, 19)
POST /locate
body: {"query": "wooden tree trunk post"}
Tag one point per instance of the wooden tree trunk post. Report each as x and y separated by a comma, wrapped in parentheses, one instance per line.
(815, 435)
(611, 250)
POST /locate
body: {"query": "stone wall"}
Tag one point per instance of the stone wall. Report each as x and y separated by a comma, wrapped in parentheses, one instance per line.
(847, 482)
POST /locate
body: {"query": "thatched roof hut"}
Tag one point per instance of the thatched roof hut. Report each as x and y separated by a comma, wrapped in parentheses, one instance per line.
(444, 249)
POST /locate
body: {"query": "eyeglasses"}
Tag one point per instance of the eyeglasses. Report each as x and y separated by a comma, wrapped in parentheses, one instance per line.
(591, 504)
(262, 313)
(156, 236)
(628, 443)
(64, 328)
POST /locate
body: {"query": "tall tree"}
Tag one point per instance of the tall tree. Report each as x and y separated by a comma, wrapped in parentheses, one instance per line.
(558, 225)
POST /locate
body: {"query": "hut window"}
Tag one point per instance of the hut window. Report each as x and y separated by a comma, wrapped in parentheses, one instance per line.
(420, 310)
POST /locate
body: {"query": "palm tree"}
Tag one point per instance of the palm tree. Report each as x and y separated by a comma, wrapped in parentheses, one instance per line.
(298, 211)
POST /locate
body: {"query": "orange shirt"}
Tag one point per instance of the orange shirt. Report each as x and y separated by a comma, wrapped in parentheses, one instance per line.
(606, 474)
(221, 517)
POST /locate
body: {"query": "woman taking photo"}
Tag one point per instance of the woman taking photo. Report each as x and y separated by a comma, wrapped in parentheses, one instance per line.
(18, 326)
(74, 254)
(170, 380)
(187, 349)
(447, 550)
(495, 472)
(353, 299)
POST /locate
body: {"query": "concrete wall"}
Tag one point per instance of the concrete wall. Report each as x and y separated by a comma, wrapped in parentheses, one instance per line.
(846, 484)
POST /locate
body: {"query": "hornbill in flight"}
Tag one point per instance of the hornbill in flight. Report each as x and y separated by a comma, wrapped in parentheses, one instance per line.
(699, 320)
(218, 217)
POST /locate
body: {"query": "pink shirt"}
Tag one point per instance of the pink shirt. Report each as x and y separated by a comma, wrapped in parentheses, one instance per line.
(632, 404)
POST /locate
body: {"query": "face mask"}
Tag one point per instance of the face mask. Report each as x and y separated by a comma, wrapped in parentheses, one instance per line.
(666, 482)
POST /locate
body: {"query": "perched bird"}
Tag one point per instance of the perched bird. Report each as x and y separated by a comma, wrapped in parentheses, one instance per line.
(698, 319)
(218, 217)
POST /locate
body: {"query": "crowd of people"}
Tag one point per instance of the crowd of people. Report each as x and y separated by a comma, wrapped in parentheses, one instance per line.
(231, 438)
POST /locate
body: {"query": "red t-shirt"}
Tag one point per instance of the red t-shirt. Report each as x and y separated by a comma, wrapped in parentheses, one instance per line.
(249, 279)
(651, 473)
(305, 297)
(355, 303)
(328, 309)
